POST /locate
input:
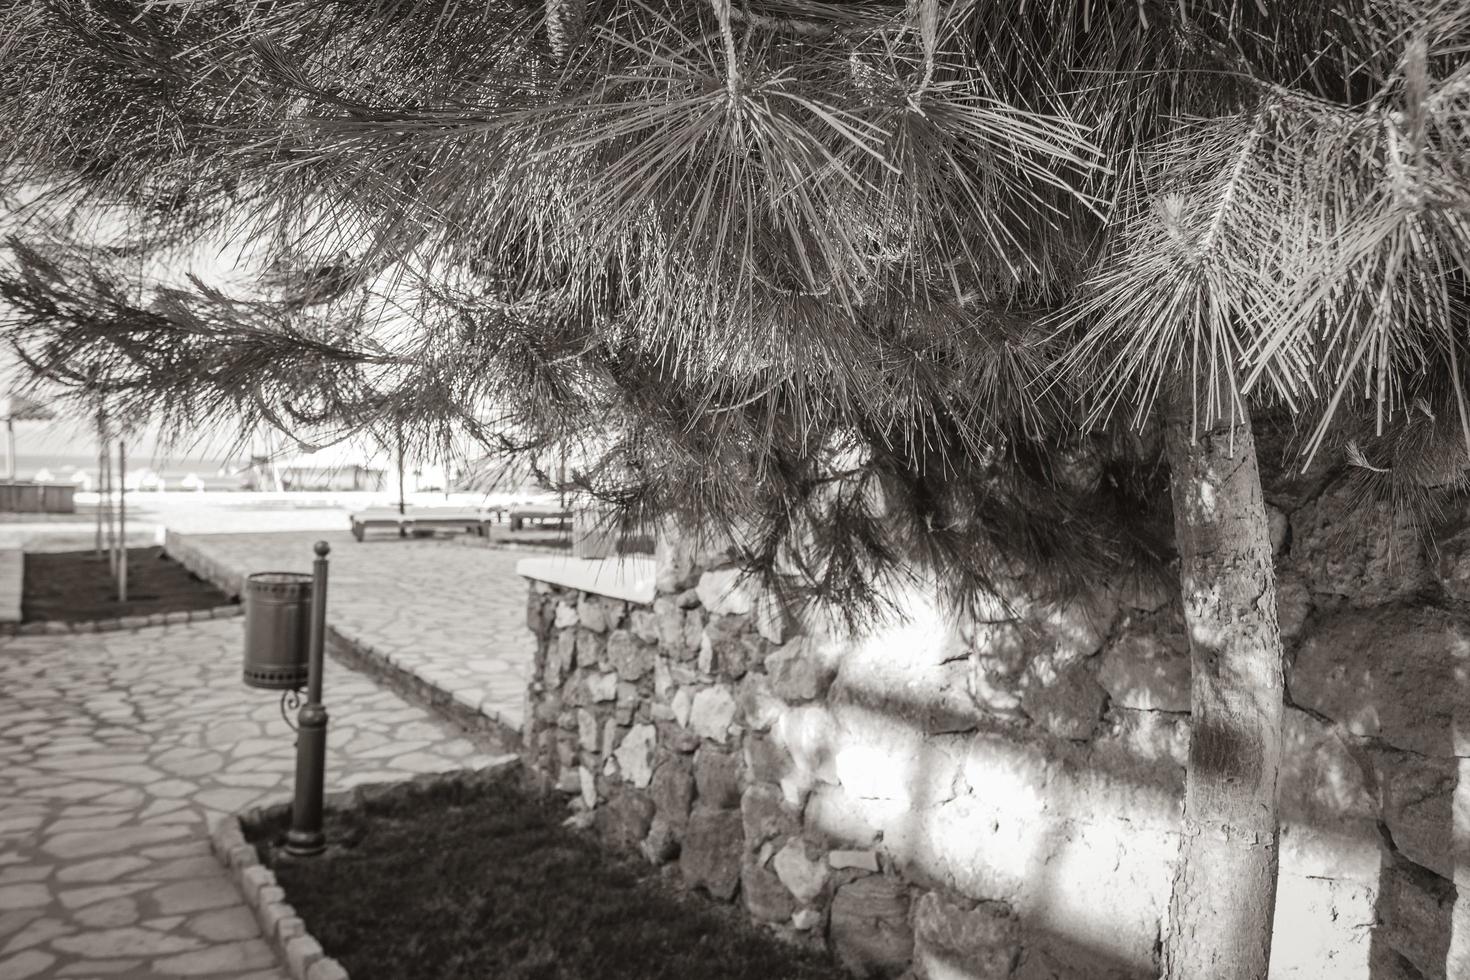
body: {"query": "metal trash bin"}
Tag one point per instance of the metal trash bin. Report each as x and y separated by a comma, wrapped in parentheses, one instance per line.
(277, 630)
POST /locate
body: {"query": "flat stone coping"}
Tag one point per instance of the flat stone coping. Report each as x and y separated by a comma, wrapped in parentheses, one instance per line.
(630, 578)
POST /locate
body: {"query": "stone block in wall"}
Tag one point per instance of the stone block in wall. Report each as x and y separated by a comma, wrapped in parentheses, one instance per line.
(1069, 631)
(1048, 957)
(773, 620)
(1322, 783)
(662, 843)
(758, 704)
(766, 760)
(1004, 641)
(1418, 918)
(567, 781)
(766, 899)
(682, 703)
(1066, 701)
(1395, 673)
(1099, 884)
(810, 736)
(566, 615)
(1424, 808)
(711, 853)
(727, 592)
(548, 709)
(717, 776)
(635, 755)
(1147, 593)
(1147, 670)
(588, 784)
(1134, 768)
(672, 789)
(1293, 605)
(1361, 551)
(1278, 525)
(1452, 568)
(765, 815)
(628, 702)
(566, 750)
(592, 614)
(1324, 927)
(624, 820)
(803, 668)
(644, 625)
(630, 657)
(564, 654)
(869, 927)
(669, 622)
(922, 681)
(963, 940)
(612, 734)
(591, 647)
(663, 680)
(600, 687)
(678, 738)
(881, 758)
(726, 647)
(711, 712)
(587, 731)
(694, 620)
(859, 860)
(803, 875)
(994, 689)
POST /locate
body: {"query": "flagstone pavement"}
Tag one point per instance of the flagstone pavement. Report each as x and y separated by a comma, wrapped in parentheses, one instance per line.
(454, 616)
(118, 751)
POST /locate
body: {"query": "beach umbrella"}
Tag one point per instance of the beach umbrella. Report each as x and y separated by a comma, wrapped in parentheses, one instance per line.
(19, 408)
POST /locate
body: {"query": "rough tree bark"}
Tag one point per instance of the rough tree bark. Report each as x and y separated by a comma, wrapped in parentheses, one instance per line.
(1224, 895)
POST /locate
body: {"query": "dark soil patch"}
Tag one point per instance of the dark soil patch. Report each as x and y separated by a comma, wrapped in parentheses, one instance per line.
(457, 883)
(77, 586)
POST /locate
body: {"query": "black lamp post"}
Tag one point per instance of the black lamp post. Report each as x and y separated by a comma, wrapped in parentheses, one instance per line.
(306, 837)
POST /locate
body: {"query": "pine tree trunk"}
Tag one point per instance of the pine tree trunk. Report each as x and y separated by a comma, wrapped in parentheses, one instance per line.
(1224, 895)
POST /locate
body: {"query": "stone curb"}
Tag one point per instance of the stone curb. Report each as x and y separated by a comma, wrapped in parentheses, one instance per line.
(286, 932)
(113, 625)
(296, 948)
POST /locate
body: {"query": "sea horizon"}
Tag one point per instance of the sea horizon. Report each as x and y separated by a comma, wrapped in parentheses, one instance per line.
(215, 474)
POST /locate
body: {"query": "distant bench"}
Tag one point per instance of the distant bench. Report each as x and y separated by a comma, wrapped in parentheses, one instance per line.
(468, 520)
(540, 515)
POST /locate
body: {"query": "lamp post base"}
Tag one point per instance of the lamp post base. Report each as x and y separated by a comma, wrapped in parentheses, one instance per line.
(305, 837)
(305, 844)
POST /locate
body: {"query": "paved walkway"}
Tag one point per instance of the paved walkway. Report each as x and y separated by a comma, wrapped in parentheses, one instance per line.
(118, 751)
(461, 626)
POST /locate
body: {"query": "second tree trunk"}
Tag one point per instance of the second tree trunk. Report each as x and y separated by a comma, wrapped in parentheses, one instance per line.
(1224, 896)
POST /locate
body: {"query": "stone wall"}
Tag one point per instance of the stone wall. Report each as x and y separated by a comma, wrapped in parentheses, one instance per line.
(999, 798)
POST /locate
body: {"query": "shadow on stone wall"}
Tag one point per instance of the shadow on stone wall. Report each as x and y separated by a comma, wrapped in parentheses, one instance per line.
(1405, 715)
(993, 804)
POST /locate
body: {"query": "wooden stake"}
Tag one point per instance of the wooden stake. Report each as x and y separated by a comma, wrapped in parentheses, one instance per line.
(122, 522)
(107, 507)
(101, 465)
